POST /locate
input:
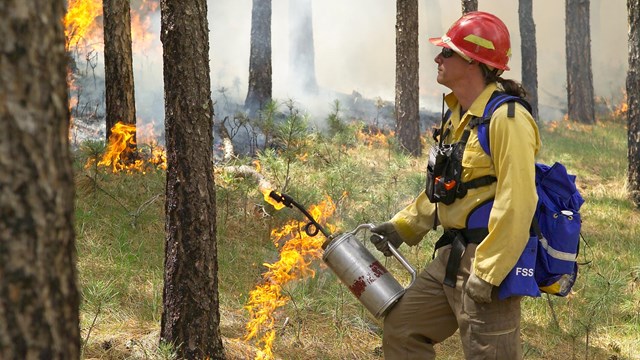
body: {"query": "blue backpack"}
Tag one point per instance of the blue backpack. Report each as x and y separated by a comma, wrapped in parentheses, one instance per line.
(549, 261)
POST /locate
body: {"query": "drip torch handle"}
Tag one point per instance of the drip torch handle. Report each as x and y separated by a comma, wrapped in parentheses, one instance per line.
(405, 263)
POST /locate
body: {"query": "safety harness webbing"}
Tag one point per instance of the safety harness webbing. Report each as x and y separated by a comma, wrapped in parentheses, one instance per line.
(458, 239)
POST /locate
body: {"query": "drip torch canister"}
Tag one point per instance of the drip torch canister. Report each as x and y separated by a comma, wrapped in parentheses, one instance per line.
(367, 279)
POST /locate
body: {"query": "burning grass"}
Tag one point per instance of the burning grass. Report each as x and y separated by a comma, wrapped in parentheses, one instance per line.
(298, 250)
(123, 155)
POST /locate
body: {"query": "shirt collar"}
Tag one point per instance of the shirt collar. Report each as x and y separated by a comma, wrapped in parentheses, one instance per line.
(476, 109)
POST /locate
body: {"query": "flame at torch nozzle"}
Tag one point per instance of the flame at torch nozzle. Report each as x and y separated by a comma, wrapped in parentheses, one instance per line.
(283, 200)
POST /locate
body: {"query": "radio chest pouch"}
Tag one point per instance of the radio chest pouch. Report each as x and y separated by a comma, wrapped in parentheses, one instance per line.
(444, 171)
(444, 168)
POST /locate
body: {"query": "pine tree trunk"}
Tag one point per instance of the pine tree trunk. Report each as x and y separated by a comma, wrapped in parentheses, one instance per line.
(118, 64)
(301, 52)
(190, 317)
(469, 5)
(38, 292)
(407, 86)
(579, 74)
(529, 52)
(259, 92)
(633, 100)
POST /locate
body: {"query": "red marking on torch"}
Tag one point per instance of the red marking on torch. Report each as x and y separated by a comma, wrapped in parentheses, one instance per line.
(360, 284)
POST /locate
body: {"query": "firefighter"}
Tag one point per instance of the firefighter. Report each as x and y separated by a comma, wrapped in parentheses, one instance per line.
(475, 53)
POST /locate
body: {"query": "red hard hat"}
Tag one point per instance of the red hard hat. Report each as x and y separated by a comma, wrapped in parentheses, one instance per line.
(480, 36)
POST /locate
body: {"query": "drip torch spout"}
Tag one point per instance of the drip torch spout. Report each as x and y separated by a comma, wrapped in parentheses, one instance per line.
(312, 228)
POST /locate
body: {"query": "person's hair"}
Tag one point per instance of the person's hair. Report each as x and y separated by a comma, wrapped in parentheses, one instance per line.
(509, 86)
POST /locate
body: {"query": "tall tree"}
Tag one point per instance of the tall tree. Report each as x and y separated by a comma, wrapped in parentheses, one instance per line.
(579, 74)
(469, 5)
(260, 86)
(301, 51)
(190, 316)
(118, 64)
(38, 293)
(633, 100)
(407, 86)
(529, 51)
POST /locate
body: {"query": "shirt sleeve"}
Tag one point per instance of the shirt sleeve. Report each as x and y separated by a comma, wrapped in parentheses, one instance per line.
(414, 221)
(514, 143)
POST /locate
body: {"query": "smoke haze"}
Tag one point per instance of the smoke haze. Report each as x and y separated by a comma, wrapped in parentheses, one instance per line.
(355, 46)
(355, 51)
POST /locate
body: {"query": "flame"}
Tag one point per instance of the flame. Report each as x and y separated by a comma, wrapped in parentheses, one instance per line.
(622, 108)
(141, 34)
(153, 151)
(377, 138)
(303, 157)
(296, 257)
(119, 148)
(79, 21)
(266, 192)
(120, 155)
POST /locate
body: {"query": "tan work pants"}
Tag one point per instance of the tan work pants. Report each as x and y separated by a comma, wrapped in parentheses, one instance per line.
(429, 312)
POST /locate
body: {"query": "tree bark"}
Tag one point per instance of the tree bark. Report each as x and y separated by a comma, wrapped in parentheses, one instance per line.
(190, 317)
(301, 52)
(38, 292)
(580, 94)
(633, 101)
(469, 5)
(118, 64)
(407, 85)
(260, 87)
(529, 51)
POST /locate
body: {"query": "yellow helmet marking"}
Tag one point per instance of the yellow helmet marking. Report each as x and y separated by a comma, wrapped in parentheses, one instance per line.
(475, 39)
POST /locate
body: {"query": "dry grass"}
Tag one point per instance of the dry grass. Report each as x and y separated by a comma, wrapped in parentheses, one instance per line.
(121, 265)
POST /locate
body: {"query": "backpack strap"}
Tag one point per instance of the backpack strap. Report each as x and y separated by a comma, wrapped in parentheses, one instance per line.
(497, 99)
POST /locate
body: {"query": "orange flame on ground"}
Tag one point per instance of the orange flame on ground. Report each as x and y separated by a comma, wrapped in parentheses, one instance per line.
(120, 156)
(119, 149)
(622, 108)
(378, 138)
(296, 256)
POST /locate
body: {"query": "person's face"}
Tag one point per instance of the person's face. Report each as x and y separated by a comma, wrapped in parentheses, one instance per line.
(451, 67)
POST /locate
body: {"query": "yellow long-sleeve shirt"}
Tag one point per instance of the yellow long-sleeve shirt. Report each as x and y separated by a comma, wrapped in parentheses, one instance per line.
(514, 143)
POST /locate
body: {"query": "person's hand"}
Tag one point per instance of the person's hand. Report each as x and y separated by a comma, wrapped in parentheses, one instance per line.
(478, 289)
(383, 235)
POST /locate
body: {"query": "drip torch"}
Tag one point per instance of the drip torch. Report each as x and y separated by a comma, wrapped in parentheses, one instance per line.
(367, 279)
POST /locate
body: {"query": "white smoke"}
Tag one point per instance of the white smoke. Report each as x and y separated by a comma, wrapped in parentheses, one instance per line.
(355, 51)
(355, 46)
